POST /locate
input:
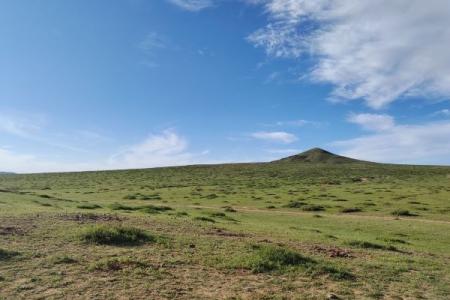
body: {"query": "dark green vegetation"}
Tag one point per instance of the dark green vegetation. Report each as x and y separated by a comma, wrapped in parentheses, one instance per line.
(299, 228)
(115, 235)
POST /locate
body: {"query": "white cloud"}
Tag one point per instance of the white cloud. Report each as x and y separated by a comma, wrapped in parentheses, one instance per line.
(442, 112)
(426, 143)
(378, 51)
(151, 42)
(11, 161)
(275, 136)
(165, 149)
(25, 126)
(150, 46)
(298, 123)
(372, 122)
(157, 150)
(192, 5)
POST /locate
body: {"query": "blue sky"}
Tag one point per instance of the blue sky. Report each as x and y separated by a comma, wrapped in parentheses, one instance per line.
(99, 84)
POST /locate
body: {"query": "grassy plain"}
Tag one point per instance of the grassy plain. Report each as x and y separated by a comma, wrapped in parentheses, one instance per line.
(282, 230)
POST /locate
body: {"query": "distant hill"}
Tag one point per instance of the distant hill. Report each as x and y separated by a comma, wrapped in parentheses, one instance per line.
(7, 173)
(317, 155)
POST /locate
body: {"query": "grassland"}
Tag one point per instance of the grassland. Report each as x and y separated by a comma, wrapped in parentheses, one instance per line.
(284, 230)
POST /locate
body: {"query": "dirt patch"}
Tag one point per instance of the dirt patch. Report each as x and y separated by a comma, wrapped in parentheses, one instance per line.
(333, 251)
(84, 218)
(11, 230)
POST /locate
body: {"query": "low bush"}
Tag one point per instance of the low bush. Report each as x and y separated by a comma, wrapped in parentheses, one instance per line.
(118, 206)
(295, 204)
(152, 209)
(149, 209)
(350, 210)
(89, 206)
(370, 245)
(403, 213)
(59, 260)
(313, 208)
(270, 258)
(205, 219)
(6, 254)
(116, 264)
(115, 235)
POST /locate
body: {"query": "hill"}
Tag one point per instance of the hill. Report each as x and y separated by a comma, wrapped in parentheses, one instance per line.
(318, 155)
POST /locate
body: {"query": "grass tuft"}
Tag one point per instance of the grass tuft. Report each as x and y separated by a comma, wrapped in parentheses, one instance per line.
(370, 245)
(350, 210)
(403, 213)
(59, 260)
(89, 206)
(313, 208)
(152, 209)
(115, 235)
(205, 219)
(295, 204)
(270, 258)
(6, 254)
(116, 264)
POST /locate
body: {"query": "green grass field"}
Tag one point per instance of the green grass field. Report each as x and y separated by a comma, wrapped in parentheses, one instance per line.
(282, 230)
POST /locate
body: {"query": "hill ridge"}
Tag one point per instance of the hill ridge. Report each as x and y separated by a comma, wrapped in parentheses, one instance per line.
(318, 155)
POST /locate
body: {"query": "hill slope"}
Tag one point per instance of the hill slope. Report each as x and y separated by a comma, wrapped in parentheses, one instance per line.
(317, 155)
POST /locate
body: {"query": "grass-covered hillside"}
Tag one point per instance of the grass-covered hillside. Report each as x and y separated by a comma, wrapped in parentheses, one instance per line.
(312, 226)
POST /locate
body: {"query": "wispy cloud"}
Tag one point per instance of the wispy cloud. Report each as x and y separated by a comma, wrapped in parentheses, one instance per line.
(378, 51)
(423, 143)
(152, 42)
(150, 45)
(33, 128)
(275, 136)
(442, 112)
(161, 149)
(372, 122)
(13, 161)
(23, 126)
(297, 123)
(165, 149)
(192, 5)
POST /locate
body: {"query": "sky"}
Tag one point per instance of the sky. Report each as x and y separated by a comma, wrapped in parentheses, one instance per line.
(99, 84)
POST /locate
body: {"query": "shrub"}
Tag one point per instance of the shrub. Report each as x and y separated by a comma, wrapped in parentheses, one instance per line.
(6, 254)
(295, 204)
(115, 235)
(336, 273)
(116, 264)
(350, 210)
(118, 206)
(218, 215)
(403, 213)
(269, 258)
(64, 260)
(89, 206)
(313, 208)
(369, 245)
(205, 219)
(152, 209)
